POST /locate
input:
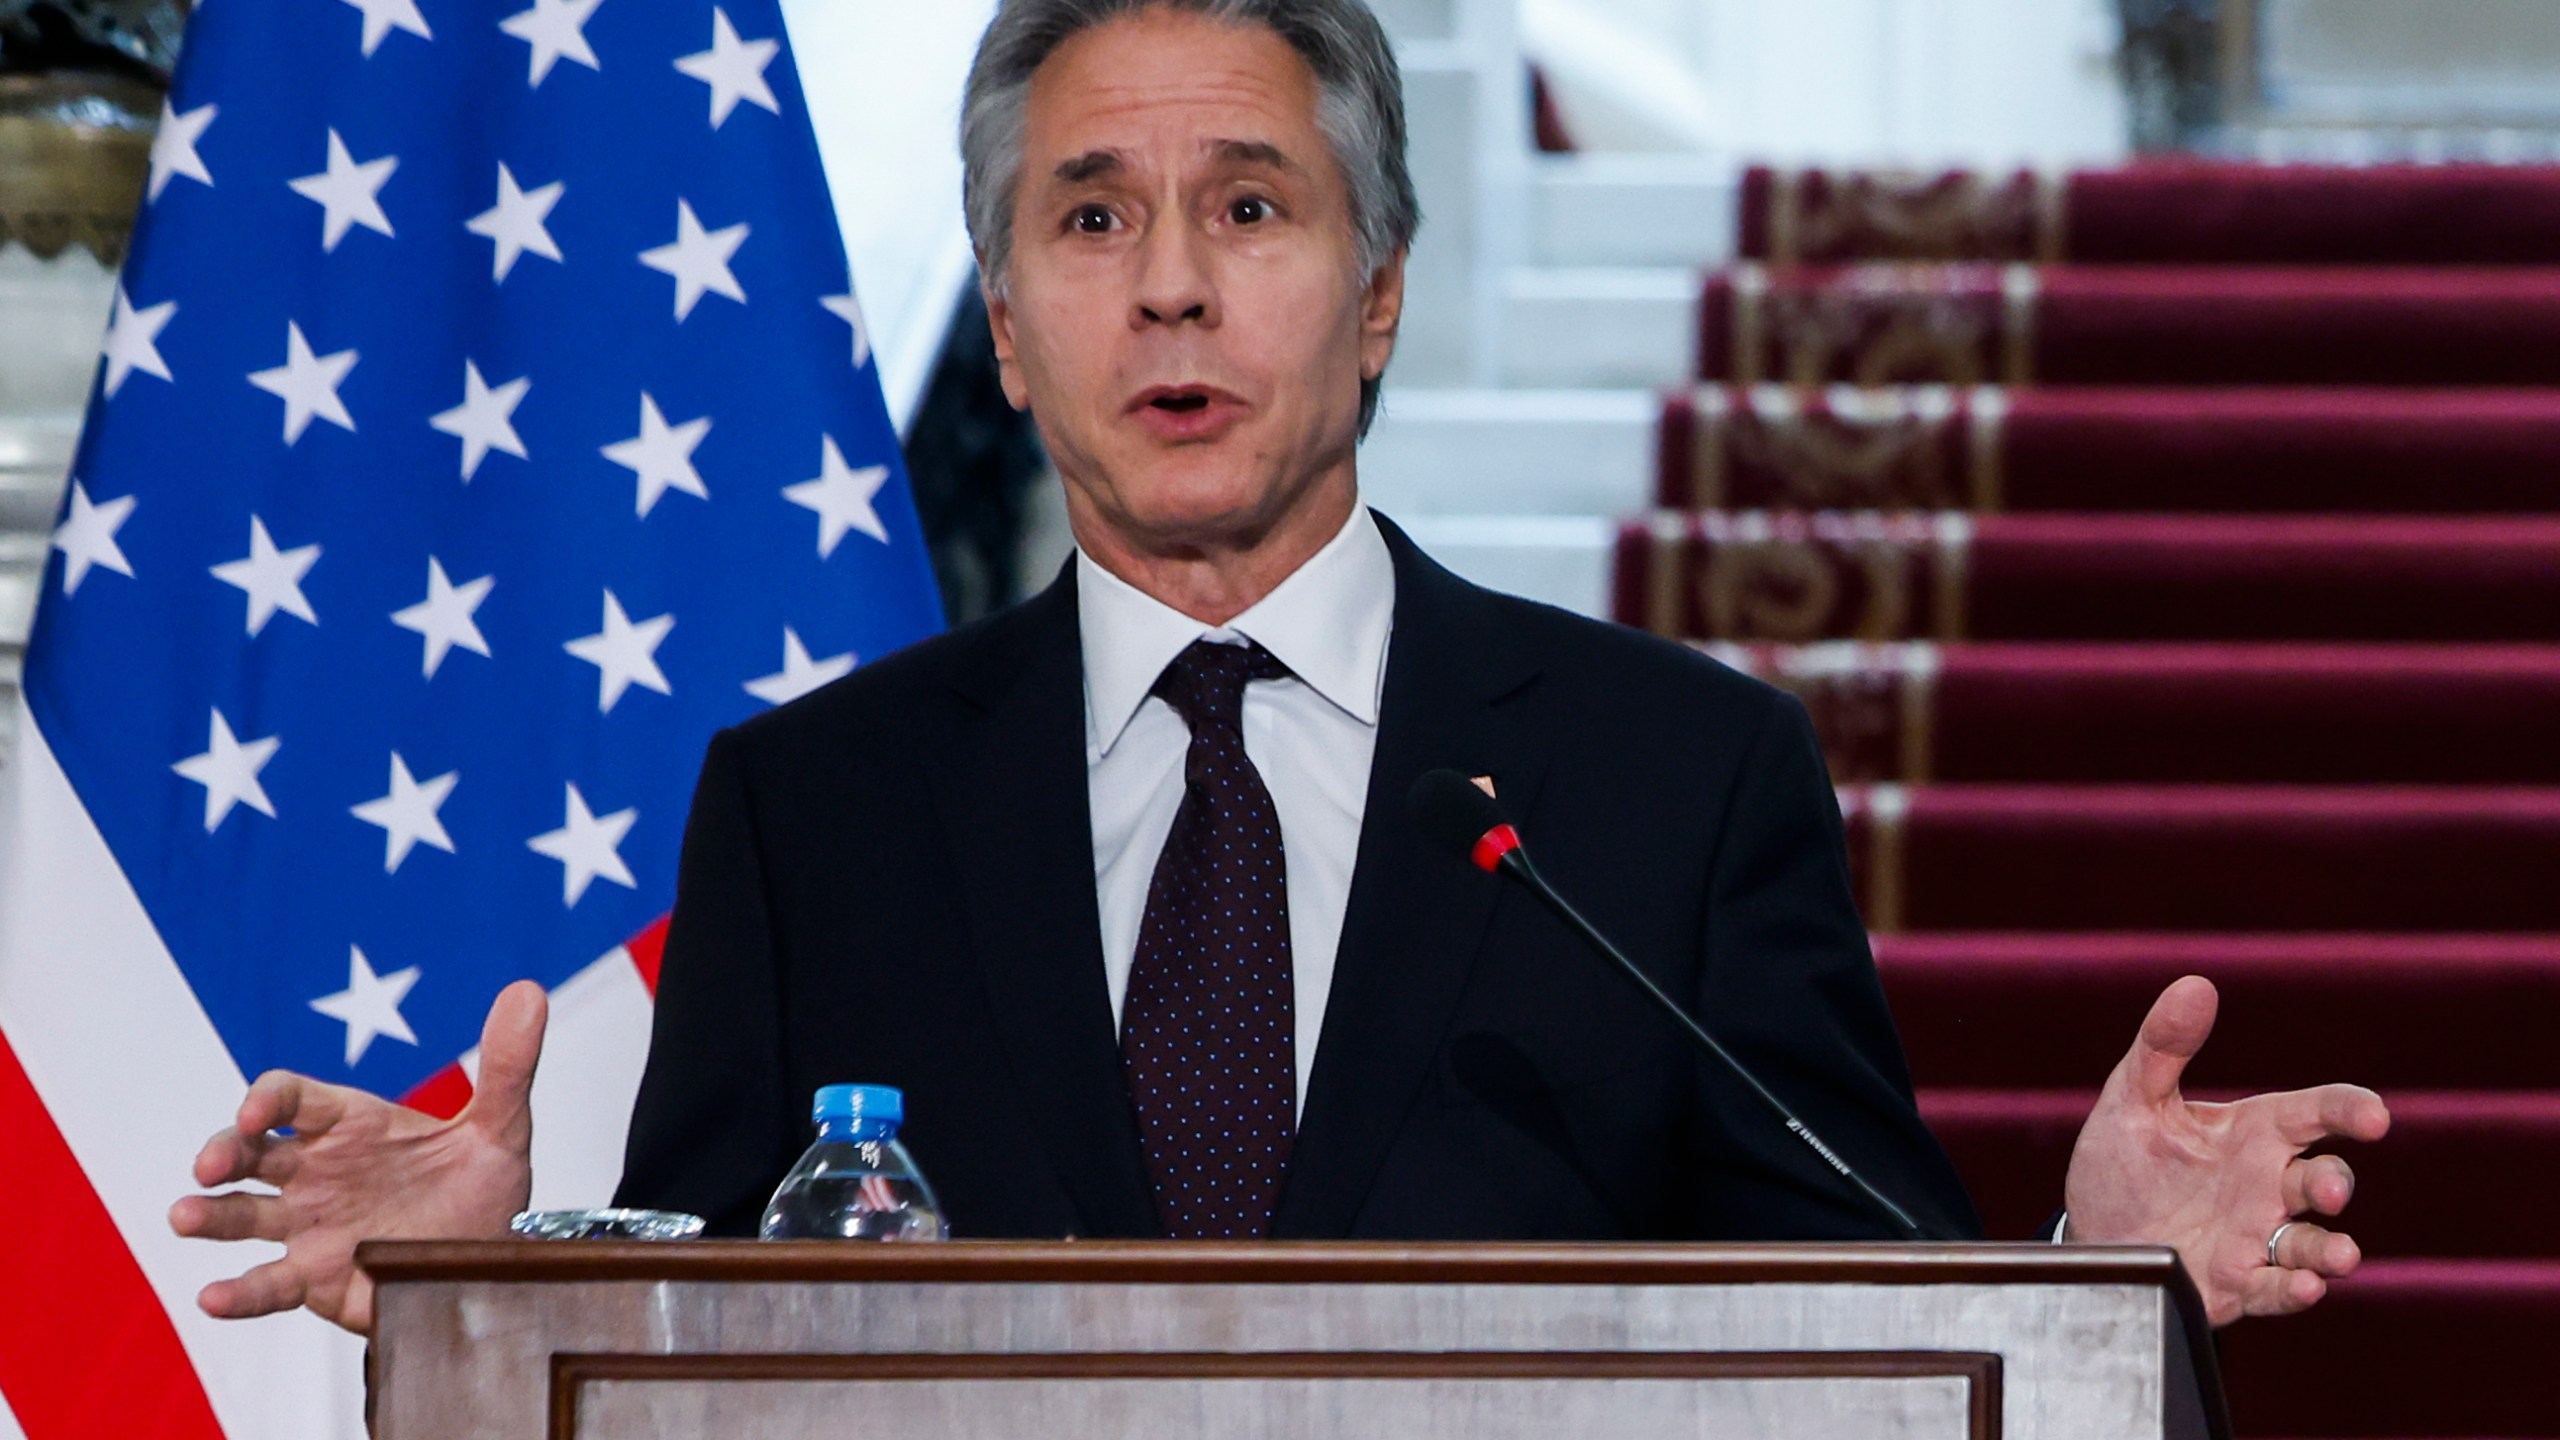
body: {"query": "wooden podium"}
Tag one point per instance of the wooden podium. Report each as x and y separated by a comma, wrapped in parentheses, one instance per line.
(515, 1340)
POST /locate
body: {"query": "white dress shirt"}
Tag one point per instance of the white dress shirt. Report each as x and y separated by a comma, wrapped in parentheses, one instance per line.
(1311, 735)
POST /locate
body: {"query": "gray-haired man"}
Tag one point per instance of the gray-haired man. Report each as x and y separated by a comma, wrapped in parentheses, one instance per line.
(1135, 915)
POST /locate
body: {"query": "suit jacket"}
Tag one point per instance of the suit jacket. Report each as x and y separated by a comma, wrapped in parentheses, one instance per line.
(892, 881)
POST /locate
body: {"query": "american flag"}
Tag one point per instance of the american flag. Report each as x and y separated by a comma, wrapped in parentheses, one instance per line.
(484, 419)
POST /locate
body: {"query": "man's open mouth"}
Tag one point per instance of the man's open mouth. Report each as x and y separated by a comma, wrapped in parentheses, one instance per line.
(1179, 399)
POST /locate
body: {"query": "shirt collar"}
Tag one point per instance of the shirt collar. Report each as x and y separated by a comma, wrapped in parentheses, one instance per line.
(1328, 622)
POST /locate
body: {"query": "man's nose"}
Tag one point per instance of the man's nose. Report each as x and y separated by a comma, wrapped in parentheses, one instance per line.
(1173, 281)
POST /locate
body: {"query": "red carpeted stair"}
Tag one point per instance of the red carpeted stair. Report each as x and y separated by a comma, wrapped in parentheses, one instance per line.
(2228, 858)
(2187, 213)
(2130, 325)
(2386, 451)
(1791, 577)
(2168, 713)
(2403, 1013)
(2175, 581)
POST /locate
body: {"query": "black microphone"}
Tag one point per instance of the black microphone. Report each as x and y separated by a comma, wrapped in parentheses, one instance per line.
(1458, 815)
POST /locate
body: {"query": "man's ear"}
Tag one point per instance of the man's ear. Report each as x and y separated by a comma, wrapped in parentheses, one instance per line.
(1000, 324)
(1380, 313)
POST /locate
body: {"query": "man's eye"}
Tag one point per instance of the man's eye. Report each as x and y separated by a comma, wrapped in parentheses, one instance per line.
(1251, 210)
(1090, 220)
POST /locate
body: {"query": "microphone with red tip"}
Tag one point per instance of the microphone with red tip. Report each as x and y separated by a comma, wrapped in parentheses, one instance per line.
(1466, 821)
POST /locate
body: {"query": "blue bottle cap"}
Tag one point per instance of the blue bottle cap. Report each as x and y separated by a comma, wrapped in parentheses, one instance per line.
(866, 1106)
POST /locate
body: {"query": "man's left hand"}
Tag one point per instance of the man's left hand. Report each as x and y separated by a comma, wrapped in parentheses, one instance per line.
(2217, 1181)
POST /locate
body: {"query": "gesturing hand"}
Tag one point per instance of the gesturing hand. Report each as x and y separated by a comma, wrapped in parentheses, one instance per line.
(359, 1167)
(2216, 1181)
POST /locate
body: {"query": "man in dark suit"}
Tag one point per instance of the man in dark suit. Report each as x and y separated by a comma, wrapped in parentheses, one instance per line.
(1119, 886)
(1479, 1076)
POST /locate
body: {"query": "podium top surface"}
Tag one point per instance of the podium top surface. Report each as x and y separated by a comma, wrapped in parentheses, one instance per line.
(2075, 1326)
(1270, 1263)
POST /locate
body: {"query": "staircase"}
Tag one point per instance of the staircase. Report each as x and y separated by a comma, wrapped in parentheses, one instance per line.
(2170, 558)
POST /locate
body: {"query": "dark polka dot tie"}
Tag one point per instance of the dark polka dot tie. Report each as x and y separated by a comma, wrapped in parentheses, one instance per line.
(1208, 1035)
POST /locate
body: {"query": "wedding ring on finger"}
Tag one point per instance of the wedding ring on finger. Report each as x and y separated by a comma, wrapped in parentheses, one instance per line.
(2273, 1239)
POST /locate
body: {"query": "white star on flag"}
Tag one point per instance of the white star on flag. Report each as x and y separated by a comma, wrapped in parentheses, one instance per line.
(484, 421)
(624, 654)
(228, 771)
(370, 1005)
(173, 147)
(799, 674)
(588, 848)
(308, 385)
(698, 259)
(661, 456)
(516, 222)
(842, 498)
(849, 310)
(445, 616)
(271, 578)
(382, 16)
(408, 814)
(556, 29)
(349, 194)
(87, 536)
(734, 69)
(133, 340)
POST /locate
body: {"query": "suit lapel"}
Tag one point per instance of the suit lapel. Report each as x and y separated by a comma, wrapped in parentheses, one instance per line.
(1454, 697)
(1017, 812)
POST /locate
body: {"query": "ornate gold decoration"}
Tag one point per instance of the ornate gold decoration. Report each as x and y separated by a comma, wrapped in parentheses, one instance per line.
(1755, 577)
(2018, 289)
(1842, 448)
(1664, 562)
(1710, 424)
(1919, 690)
(71, 170)
(1817, 216)
(1769, 589)
(1750, 285)
(1870, 704)
(1949, 573)
(1986, 425)
(1880, 810)
(1875, 325)
(1792, 578)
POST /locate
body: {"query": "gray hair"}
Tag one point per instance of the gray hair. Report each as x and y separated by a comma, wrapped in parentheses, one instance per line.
(1359, 108)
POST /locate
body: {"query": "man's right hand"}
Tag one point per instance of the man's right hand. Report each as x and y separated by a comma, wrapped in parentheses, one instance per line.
(358, 1167)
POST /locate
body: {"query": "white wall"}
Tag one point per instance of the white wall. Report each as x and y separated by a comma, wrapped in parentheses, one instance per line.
(1920, 82)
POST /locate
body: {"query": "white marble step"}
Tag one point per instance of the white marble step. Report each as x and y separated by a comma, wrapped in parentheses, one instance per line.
(22, 560)
(8, 701)
(1668, 210)
(55, 311)
(35, 456)
(1516, 452)
(1594, 326)
(1560, 559)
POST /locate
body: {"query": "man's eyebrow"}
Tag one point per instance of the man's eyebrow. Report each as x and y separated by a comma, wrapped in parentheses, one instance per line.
(1091, 165)
(1255, 152)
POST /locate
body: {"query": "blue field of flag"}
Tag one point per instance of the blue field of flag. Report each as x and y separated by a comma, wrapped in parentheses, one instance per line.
(485, 420)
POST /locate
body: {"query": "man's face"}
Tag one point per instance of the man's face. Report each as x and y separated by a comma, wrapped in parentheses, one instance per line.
(1186, 317)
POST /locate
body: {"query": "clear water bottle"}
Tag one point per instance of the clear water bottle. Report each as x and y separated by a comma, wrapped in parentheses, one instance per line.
(857, 1182)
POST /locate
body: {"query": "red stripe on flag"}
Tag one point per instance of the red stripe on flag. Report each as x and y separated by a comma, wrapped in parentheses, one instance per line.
(442, 1094)
(645, 949)
(87, 1339)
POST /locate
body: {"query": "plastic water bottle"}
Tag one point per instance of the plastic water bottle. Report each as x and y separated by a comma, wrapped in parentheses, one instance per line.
(857, 1182)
